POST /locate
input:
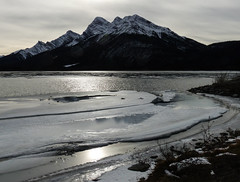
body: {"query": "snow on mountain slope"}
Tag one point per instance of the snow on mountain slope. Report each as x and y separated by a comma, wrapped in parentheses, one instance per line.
(68, 39)
(139, 25)
(129, 25)
(98, 26)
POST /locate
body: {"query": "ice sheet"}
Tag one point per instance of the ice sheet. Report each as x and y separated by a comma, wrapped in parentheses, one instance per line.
(37, 125)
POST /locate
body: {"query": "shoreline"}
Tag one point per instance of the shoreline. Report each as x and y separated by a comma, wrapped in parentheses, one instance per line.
(216, 157)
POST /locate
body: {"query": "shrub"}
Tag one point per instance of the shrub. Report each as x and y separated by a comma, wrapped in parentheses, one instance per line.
(221, 78)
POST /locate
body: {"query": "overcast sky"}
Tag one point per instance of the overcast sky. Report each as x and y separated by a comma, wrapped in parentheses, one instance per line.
(24, 22)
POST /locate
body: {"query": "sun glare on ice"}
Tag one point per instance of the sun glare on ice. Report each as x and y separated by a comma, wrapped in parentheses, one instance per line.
(96, 154)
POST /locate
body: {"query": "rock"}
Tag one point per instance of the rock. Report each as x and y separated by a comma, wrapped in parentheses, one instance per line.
(157, 100)
(141, 167)
(154, 157)
(96, 179)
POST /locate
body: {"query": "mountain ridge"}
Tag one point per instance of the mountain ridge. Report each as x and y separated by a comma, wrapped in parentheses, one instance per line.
(100, 26)
(40, 46)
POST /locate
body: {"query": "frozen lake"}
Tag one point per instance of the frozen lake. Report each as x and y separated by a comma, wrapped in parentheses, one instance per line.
(70, 124)
(60, 113)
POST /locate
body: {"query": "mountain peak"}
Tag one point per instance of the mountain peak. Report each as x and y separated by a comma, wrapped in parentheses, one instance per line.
(135, 16)
(117, 20)
(98, 26)
(71, 33)
(100, 20)
(39, 43)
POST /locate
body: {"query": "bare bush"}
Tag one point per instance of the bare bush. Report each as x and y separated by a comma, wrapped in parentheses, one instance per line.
(221, 78)
(166, 152)
(170, 153)
(206, 134)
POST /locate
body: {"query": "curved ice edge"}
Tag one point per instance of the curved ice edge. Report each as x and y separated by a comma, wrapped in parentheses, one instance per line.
(167, 135)
(69, 148)
(228, 101)
(156, 137)
(50, 150)
(68, 113)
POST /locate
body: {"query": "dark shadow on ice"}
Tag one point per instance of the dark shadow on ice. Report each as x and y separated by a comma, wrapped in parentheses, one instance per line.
(76, 99)
(65, 113)
(133, 119)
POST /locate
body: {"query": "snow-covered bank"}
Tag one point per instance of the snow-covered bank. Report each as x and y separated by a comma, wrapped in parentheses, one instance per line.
(231, 121)
(228, 101)
(37, 127)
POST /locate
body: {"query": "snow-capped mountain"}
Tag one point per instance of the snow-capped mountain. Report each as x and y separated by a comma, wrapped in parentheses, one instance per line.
(128, 25)
(129, 43)
(100, 28)
(70, 38)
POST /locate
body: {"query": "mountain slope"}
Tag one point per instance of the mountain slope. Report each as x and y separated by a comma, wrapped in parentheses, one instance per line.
(68, 39)
(128, 25)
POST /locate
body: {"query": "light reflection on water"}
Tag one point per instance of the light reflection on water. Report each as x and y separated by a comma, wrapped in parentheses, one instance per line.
(22, 86)
(41, 83)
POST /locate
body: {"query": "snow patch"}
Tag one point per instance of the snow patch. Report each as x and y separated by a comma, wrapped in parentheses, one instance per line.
(231, 140)
(123, 174)
(226, 153)
(191, 161)
(70, 65)
(168, 96)
(168, 173)
(199, 150)
(212, 172)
